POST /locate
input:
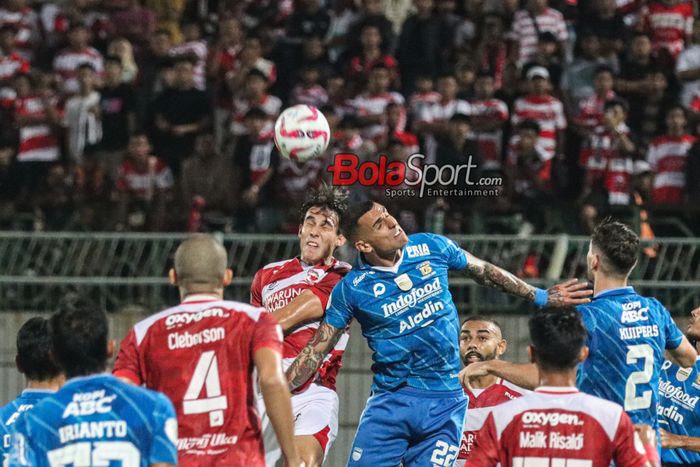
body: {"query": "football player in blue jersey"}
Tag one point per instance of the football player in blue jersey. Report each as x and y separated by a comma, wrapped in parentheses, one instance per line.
(42, 374)
(399, 294)
(94, 419)
(679, 418)
(627, 333)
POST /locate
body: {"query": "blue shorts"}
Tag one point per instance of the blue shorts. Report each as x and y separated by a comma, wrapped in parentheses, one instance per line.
(410, 426)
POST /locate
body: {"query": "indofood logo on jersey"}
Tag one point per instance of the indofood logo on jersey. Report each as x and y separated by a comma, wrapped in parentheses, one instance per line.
(182, 319)
(410, 299)
(677, 394)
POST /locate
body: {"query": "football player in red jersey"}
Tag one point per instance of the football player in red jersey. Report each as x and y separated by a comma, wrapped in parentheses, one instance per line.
(480, 339)
(556, 424)
(202, 353)
(296, 292)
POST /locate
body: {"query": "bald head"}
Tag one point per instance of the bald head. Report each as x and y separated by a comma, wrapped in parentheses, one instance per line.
(200, 263)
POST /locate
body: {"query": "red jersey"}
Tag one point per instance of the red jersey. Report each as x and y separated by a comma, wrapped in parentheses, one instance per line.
(38, 141)
(200, 354)
(481, 405)
(667, 157)
(277, 284)
(144, 182)
(608, 166)
(11, 64)
(548, 112)
(490, 142)
(557, 427)
(668, 24)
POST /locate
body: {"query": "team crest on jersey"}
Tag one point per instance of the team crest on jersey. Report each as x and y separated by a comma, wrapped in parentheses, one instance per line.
(404, 282)
(378, 289)
(425, 268)
(314, 276)
(357, 454)
(683, 374)
(272, 285)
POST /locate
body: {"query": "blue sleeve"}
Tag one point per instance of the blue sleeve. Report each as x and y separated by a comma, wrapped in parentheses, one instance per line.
(674, 336)
(339, 311)
(164, 444)
(453, 254)
(22, 453)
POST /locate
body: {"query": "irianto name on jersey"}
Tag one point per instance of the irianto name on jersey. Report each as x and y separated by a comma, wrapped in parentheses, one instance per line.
(551, 418)
(677, 394)
(412, 298)
(93, 430)
(181, 319)
(639, 331)
(184, 340)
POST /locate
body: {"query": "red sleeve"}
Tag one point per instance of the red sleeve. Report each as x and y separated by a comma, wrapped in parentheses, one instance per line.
(267, 333)
(627, 453)
(256, 289)
(127, 364)
(485, 451)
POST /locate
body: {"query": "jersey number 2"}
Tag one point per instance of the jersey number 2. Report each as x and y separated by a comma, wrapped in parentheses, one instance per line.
(206, 377)
(98, 454)
(634, 353)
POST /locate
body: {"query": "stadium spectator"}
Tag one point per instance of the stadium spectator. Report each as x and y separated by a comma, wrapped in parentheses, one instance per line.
(548, 111)
(20, 16)
(423, 96)
(590, 110)
(11, 62)
(422, 46)
(255, 160)
(69, 60)
(546, 55)
(309, 91)
(370, 55)
(667, 156)
(83, 116)
(118, 114)
(150, 63)
(123, 49)
(608, 159)
(491, 50)
(669, 23)
(144, 186)
(578, 79)
(688, 68)
(608, 24)
(180, 113)
(489, 117)
(254, 94)
(42, 377)
(135, 22)
(371, 13)
(309, 19)
(532, 21)
(342, 15)
(207, 180)
(369, 106)
(142, 422)
(168, 13)
(459, 148)
(194, 47)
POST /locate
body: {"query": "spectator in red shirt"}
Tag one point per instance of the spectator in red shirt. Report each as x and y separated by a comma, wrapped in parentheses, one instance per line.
(78, 52)
(371, 55)
(11, 61)
(144, 187)
(309, 91)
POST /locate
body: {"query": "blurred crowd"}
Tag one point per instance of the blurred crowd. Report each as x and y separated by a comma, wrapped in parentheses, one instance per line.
(158, 114)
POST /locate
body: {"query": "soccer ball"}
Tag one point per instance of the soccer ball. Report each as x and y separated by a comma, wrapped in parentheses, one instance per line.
(301, 133)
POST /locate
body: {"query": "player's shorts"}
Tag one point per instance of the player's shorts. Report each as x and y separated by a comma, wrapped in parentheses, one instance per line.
(411, 426)
(315, 414)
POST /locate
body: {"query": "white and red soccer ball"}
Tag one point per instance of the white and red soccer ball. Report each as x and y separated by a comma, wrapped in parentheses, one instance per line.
(302, 133)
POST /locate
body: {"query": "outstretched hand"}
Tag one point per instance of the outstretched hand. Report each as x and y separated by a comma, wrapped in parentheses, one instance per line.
(568, 293)
(473, 370)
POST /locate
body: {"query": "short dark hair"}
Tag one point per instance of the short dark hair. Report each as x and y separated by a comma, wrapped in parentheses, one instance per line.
(79, 333)
(481, 318)
(619, 245)
(87, 66)
(529, 125)
(256, 73)
(113, 59)
(326, 197)
(348, 223)
(255, 112)
(557, 335)
(34, 354)
(616, 102)
(603, 69)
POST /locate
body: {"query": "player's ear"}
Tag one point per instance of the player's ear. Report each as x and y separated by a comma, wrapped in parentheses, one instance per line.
(501, 347)
(299, 231)
(111, 345)
(172, 276)
(583, 355)
(531, 353)
(363, 247)
(228, 277)
(340, 241)
(18, 364)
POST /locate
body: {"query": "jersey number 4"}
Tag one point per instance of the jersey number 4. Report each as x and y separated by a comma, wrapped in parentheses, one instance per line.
(206, 378)
(634, 354)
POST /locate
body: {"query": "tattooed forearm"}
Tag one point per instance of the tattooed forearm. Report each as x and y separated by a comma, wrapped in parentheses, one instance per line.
(489, 275)
(311, 356)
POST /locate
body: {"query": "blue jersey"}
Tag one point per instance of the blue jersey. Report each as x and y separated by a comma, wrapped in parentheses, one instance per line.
(627, 335)
(679, 392)
(97, 420)
(11, 412)
(407, 314)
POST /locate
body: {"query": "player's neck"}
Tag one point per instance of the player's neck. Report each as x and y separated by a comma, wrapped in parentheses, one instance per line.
(217, 294)
(483, 382)
(322, 262)
(602, 283)
(557, 378)
(53, 384)
(386, 261)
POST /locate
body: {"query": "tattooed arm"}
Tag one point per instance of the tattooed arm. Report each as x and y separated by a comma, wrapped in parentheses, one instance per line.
(311, 356)
(567, 293)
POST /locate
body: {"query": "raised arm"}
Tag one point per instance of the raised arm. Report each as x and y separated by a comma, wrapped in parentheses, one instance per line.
(684, 355)
(305, 307)
(571, 292)
(311, 356)
(524, 375)
(673, 441)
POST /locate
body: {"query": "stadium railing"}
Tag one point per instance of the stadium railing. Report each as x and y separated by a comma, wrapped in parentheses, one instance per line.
(127, 271)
